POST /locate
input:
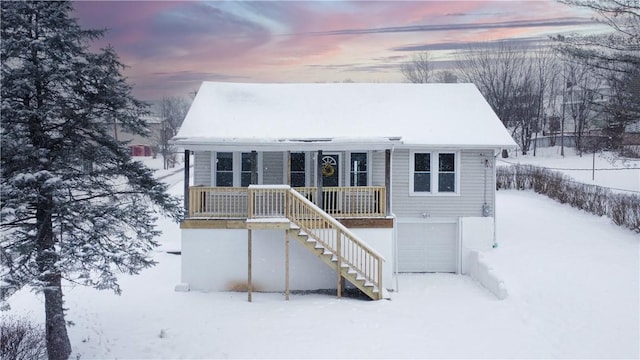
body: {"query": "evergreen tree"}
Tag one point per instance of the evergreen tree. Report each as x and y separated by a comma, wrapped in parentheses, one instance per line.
(75, 206)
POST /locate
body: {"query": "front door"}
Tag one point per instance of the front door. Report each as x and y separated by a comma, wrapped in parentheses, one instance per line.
(330, 178)
(330, 170)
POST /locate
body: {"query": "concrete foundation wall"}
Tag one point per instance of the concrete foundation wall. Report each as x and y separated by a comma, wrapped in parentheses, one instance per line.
(216, 260)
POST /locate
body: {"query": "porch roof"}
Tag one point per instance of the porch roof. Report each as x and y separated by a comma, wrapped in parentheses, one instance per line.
(336, 116)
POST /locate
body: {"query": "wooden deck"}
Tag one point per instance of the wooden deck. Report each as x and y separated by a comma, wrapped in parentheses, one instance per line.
(366, 202)
(241, 223)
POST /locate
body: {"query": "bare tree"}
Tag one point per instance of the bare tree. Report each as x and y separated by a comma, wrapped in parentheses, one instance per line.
(419, 70)
(496, 71)
(446, 77)
(581, 95)
(616, 55)
(173, 110)
(516, 82)
(545, 70)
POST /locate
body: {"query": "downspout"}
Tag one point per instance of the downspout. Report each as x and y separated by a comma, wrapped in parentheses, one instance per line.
(495, 227)
(395, 220)
(187, 164)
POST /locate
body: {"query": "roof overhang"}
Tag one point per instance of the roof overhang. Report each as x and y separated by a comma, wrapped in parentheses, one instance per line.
(324, 144)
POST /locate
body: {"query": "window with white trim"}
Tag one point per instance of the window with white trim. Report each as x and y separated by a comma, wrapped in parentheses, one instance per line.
(224, 169)
(234, 169)
(245, 170)
(446, 172)
(425, 178)
(298, 170)
(358, 165)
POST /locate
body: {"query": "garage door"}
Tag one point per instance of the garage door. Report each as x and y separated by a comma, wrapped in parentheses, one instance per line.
(427, 247)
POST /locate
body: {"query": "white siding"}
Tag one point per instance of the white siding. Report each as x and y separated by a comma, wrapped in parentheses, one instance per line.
(468, 202)
(273, 168)
(202, 168)
(377, 167)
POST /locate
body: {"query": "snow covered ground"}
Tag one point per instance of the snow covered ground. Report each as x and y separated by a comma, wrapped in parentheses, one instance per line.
(573, 281)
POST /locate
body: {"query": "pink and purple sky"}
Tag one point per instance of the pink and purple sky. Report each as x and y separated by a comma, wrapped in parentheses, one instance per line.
(171, 47)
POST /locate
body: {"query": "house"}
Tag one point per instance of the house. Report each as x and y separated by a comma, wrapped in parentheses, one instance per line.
(304, 186)
(141, 145)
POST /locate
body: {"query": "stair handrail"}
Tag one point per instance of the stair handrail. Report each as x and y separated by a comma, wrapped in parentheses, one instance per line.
(334, 222)
(279, 201)
(348, 234)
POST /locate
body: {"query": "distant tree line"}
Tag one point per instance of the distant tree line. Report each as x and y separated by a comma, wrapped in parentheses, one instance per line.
(577, 81)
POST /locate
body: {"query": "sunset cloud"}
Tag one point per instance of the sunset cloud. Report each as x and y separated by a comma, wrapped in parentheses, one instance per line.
(170, 47)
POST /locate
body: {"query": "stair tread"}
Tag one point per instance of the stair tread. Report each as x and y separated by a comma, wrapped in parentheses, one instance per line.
(330, 258)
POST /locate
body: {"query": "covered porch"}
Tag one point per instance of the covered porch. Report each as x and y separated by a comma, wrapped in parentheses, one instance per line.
(360, 206)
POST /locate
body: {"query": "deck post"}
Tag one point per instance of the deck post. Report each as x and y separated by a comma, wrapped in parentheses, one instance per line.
(387, 181)
(249, 246)
(339, 263)
(286, 265)
(319, 200)
(288, 181)
(380, 287)
(187, 161)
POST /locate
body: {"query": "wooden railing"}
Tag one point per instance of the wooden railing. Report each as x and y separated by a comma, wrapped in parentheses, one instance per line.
(218, 202)
(282, 201)
(342, 202)
(356, 201)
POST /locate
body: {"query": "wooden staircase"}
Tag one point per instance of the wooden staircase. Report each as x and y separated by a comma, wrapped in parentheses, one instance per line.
(350, 274)
(322, 234)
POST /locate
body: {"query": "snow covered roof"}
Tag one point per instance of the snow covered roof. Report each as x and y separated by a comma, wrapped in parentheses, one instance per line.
(340, 116)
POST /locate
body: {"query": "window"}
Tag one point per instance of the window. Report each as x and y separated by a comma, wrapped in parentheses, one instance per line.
(234, 169)
(422, 172)
(358, 165)
(446, 173)
(426, 179)
(245, 171)
(298, 178)
(224, 169)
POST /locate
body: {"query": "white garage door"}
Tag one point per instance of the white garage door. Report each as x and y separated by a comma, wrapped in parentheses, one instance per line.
(427, 247)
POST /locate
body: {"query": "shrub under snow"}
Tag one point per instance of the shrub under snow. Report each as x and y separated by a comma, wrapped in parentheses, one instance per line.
(623, 209)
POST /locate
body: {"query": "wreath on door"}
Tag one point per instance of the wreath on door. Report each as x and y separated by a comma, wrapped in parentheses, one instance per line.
(328, 166)
(328, 170)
